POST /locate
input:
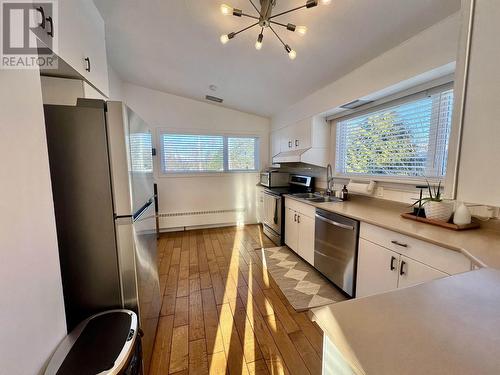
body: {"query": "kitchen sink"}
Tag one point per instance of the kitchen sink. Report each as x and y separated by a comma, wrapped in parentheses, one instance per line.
(306, 195)
(324, 199)
(316, 198)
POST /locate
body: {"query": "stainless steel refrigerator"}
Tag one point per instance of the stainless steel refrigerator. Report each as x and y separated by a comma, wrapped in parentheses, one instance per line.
(101, 168)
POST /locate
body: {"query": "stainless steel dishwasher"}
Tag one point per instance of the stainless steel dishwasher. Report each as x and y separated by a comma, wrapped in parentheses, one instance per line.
(336, 249)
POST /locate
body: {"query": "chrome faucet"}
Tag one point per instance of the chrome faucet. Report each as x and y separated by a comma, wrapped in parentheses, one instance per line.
(329, 180)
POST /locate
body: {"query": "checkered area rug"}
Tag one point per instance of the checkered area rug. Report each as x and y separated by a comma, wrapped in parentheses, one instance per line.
(303, 286)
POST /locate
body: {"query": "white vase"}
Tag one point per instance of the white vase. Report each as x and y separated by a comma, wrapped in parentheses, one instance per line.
(441, 211)
(462, 215)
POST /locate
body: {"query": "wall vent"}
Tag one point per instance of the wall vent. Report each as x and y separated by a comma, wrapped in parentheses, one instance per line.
(195, 213)
(355, 104)
(214, 99)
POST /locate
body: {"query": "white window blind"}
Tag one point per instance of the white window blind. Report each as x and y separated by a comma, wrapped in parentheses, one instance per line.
(191, 153)
(241, 153)
(407, 140)
(141, 157)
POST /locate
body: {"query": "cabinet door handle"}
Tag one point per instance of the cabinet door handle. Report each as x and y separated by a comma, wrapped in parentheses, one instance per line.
(296, 143)
(399, 243)
(289, 144)
(402, 268)
(393, 266)
(295, 217)
(42, 12)
(87, 59)
(51, 22)
(298, 219)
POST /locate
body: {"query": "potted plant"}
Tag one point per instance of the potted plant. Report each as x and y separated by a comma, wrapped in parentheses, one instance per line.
(434, 206)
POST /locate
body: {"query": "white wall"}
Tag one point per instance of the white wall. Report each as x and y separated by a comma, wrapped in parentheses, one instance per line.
(32, 320)
(201, 192)
(431, 49)
(115, 85)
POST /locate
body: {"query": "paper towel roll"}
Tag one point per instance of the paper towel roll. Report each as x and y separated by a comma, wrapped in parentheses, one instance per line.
(362, 187)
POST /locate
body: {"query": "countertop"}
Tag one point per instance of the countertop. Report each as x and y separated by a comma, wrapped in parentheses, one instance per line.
(482, 245)
(446, 326)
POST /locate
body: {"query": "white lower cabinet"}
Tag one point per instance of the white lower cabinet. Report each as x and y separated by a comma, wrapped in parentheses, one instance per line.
(259, 204)
(291, 229)
(377, 269)
(299, 231)
(306, 238)
(388, 260)
(412, 272)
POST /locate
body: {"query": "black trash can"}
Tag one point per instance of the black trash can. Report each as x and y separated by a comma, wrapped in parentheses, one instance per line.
(106, 343)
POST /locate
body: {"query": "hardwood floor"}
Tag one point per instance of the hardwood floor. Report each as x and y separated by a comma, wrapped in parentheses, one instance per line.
(223, 314)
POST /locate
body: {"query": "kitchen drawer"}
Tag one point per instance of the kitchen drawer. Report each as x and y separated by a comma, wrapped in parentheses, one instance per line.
(448, 261)
(304, 208)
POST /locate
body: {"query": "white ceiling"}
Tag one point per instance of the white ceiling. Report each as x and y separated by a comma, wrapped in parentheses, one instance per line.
(173, 46)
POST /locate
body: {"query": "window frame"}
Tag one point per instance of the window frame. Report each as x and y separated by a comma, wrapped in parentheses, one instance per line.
(381, 105)
(224, 135)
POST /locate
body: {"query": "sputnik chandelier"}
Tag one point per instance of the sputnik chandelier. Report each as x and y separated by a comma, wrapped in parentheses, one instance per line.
(266, 20)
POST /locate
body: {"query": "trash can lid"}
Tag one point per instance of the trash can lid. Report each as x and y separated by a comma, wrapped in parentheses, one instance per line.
(102, 343)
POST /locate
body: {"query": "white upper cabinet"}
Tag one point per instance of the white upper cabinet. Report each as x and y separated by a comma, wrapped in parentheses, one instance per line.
(81, 42)
(306, 141)
(478, 177)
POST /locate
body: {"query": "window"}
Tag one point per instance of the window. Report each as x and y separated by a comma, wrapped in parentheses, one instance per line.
(194, 153)
(241, 153)
(141, 157)
(404, 141)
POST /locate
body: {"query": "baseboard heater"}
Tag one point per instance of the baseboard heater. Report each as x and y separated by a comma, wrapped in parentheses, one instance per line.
(196, 213)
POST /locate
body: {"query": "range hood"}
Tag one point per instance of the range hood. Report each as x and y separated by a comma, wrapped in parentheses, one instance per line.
(289, 156)
(306, 141)
(314, 156)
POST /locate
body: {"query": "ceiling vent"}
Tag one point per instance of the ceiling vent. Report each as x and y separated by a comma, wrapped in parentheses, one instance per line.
(214, 99)
(355, 104)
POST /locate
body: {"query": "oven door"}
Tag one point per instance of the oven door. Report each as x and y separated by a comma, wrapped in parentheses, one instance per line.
(272, 212)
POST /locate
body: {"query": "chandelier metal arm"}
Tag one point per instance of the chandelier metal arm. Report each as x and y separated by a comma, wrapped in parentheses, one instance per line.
(250, 16)
(277, 36)
(290, 27)
(257, 9)
(288, 11)
(245, 29)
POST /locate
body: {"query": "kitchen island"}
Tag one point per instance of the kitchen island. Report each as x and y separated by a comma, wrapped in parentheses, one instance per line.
(447, 326)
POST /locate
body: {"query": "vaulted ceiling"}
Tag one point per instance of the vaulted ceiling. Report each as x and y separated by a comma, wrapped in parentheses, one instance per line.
(173, 46)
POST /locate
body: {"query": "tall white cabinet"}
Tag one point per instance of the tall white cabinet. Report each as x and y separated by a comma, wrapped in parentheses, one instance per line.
(32, 307)
(478, 179)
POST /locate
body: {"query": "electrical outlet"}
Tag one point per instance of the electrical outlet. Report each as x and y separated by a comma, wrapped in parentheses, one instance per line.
(380, 192)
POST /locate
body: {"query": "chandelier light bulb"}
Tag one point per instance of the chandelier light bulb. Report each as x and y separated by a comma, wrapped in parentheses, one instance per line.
(292, 54)
(226, 10)
(301, 30)
(224, 39)
(258, 43)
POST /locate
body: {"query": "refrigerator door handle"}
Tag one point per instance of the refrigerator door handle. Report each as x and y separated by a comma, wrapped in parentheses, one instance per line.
(142, 209)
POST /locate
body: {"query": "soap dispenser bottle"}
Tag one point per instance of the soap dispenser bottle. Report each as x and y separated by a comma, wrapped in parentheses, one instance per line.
(344, 194)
